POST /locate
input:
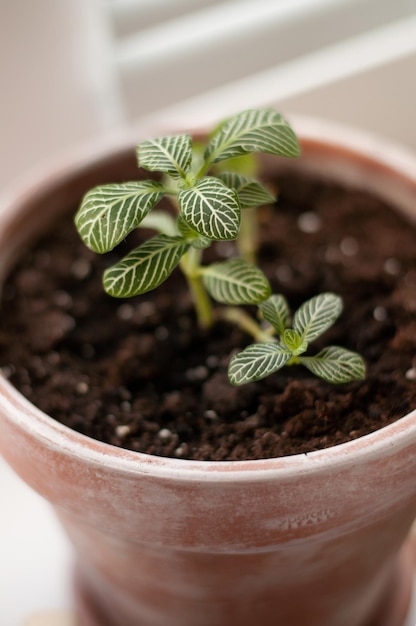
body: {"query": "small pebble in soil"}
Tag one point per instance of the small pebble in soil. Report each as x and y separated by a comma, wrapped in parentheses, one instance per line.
(62, 299)
(181, 451)
(8, 370)
(82, 387)
(61, 323)
(161, 333)
(125, 312)
(411, 374)
(211, 415)
(53, 358)
(125, 394)
(212, 361)
(349, 246)
(284, 273)
(332, 254)
(146, 309)
(122, 430)
(309, 222)
(380, 314)
(226, 250)
(125, 406)
(164, 434)
(251, 422)
(392, 266)
(81, 268)
(198, 373)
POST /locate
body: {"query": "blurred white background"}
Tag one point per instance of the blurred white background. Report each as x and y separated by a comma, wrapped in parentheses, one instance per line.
(75, 70)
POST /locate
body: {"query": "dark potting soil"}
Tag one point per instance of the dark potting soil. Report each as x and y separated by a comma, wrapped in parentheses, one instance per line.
(139, 374)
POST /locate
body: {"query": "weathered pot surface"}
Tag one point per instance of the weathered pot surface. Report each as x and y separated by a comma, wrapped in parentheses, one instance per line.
(313, 539)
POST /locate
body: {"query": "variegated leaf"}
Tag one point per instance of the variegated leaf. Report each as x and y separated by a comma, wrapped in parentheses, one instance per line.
(110, 212)
(253, 131)
(236, 282)
(316, 315)
(294, 341)
(256, 362)
(145, 268)
(250, 192)
(276, 311)
(172, 155)
(195, 239)
(336, 365)
(211, 208)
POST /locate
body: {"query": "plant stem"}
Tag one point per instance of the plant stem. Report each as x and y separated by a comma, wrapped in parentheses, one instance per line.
(247, 238)
(203, 169)
(246, 323)
(190, 265)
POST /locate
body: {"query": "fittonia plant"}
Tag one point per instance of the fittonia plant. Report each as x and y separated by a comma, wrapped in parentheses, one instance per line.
(212, 203)
(334, 364)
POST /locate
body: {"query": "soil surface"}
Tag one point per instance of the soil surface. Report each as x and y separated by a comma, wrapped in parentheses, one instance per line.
(139, 374)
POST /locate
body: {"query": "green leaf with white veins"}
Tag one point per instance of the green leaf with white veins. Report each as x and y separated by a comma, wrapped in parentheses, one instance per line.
(250, 192)
(316, 315)
(145, 268)
(336, 365)
(211, 208)
(252, 131)
(110, 212)
(194, 238)
(235, 282)
(294, 341)
(256, 362)
(276, 311)
(172, 155)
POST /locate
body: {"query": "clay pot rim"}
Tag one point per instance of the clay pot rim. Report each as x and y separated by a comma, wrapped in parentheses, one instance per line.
(349, 144)
(56, 436)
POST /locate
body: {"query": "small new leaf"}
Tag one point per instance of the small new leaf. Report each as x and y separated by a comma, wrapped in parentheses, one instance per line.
(256, 362)
(276, 311)
(252, 131)
(250, 192)
(211, 208)
(294, 342)
(336, 365)
(172, 155)
(145, 268)
(316, 315)
(110, 212)
(236, 282)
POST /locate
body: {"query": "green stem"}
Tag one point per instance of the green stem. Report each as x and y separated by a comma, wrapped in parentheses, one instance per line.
(203, 170)
(246, 323)
(190, 265)
(248, 236)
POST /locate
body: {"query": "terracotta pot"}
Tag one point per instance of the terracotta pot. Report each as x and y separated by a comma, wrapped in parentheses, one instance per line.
(308, 540)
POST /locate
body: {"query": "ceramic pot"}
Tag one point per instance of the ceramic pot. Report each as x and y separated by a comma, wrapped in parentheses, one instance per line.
(307, 540)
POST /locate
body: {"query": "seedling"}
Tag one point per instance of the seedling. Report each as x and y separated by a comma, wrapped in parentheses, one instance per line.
(210, 202)
(334, 363)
